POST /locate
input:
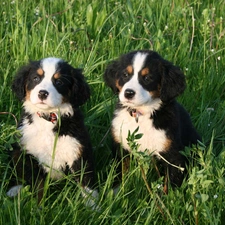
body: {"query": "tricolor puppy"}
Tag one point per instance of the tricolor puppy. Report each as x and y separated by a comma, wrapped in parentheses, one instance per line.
(53, 135)
(147, 86)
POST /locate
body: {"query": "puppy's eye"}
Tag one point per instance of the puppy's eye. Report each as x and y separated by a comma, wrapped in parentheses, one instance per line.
(36, 79)
(125, 74)
(147, 78)
(58, 82)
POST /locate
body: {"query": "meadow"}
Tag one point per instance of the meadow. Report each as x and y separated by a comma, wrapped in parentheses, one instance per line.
(89, 34)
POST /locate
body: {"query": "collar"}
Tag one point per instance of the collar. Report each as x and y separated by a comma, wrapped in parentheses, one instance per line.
(51, 117)
(134, 113)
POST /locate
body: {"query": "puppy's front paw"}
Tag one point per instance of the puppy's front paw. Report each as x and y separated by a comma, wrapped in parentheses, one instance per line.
(13, 191)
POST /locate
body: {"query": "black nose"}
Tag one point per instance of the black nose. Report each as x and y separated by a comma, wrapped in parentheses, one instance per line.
(129, 93)
(43, 94)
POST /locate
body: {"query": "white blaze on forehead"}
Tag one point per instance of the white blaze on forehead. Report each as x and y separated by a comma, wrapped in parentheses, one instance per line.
(138, 62)
(49, 66)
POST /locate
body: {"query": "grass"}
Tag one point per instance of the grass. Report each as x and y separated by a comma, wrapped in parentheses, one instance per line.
(89, 34)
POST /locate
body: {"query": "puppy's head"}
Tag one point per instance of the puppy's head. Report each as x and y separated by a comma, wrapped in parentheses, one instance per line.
(139, 77)
(49, 83)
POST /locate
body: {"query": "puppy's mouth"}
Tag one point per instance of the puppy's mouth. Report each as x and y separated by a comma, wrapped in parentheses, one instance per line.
(42, 105)
(41, 102)
(133, 104)
(128, 103)
(46, 105)
(135, 101)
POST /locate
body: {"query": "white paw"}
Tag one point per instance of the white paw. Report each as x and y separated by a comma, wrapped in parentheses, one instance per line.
(91, 197)
(116, 190)
(13, 191)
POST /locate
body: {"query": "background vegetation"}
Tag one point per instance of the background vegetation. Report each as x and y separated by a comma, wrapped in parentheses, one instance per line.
(89, 34)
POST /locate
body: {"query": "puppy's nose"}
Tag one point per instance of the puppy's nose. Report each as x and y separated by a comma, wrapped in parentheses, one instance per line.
(129, 93)
(43, 94)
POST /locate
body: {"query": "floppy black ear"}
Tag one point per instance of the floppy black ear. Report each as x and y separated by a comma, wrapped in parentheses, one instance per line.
(172, 82)
(110, 76)
(18, 84)
(80, 90)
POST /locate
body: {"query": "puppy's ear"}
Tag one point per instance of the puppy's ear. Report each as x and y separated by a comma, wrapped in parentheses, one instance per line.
(19, 82)
(110, 76)
(172, 82)
(80, 90)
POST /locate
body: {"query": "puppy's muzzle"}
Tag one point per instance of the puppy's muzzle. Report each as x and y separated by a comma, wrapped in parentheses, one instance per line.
(43, 94)
(129, 93)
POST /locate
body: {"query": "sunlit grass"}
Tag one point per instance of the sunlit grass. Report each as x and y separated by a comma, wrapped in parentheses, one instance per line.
(89, 34)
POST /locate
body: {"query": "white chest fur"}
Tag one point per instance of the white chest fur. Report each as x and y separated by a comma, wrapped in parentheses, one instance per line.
(153, 139)
(40, 141)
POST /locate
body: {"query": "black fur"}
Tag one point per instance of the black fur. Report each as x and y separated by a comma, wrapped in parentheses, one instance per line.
(167, 82)
(74, 87)
(75, 92)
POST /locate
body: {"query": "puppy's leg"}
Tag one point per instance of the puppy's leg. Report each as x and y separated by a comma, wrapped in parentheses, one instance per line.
(85, 176)
(122, 158)
(26, 170)
(165, 186)
(174, 167)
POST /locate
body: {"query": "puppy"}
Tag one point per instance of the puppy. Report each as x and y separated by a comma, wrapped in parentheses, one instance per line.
(147, 86)
(53, 138)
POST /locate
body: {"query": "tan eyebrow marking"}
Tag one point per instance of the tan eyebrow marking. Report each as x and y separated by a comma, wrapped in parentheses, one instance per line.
(144, 71)
(40, 72)
(118, 86)
(57, 75)
(130, 69)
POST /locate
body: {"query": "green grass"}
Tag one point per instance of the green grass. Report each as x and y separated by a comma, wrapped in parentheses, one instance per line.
(89, 34)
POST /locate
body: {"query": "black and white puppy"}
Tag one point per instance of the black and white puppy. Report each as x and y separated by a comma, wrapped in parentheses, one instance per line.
(147, 86)
(53, 135)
